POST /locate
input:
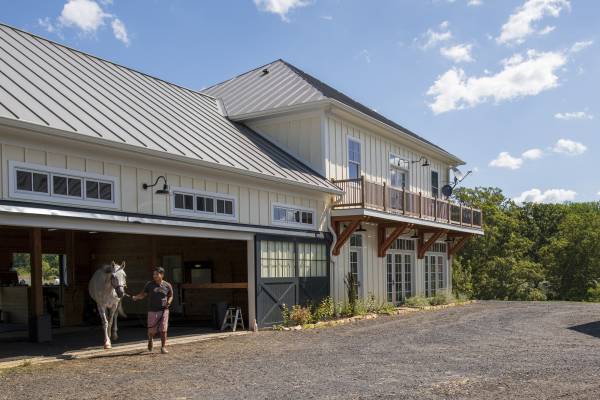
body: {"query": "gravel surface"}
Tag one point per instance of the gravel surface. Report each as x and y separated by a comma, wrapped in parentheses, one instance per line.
(487, 350)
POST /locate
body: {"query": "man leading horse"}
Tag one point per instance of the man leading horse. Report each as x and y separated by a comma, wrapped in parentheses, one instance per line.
(160, 297)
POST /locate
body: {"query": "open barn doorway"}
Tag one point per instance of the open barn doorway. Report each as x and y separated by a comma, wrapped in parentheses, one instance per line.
(207, 276)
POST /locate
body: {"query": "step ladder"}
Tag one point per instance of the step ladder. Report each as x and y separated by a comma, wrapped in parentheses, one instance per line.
(233, 318)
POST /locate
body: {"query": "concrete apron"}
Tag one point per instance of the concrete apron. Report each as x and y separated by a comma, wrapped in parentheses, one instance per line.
(138, 347)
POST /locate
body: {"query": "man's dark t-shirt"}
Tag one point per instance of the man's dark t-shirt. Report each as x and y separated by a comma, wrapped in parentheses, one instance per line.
(158, 295)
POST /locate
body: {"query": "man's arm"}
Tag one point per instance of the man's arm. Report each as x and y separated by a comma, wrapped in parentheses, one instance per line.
(140, 296)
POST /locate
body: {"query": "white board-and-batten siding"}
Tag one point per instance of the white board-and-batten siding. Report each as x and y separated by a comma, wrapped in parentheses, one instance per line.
(375, 156)
(254, 196)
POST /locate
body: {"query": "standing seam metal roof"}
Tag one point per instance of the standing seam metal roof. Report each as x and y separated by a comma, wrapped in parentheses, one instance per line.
(47, 84)
(286, 85)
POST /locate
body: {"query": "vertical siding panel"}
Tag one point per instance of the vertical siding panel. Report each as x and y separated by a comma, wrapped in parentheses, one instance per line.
(211, 186)
(94, 166)
(56, 160)
(35, 156)
(263, 207)
(254, 207)
(76, 163)
(144, 196)
(244, 205)
(129, 197)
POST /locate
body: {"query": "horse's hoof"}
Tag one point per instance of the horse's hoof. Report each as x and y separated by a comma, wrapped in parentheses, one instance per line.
(115, 337)
(107, 346)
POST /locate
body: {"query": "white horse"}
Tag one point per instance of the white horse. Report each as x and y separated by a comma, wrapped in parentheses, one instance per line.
(107, 288)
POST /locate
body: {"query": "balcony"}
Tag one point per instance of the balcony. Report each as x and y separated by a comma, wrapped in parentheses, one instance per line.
(361, 193)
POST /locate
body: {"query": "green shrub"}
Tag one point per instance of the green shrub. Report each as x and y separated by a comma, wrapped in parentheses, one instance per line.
(593, 293)
(536, 294)
(417, 302)
(352, 291)
(386, 308)
(300, 315)
(325, 310)
(441, 298)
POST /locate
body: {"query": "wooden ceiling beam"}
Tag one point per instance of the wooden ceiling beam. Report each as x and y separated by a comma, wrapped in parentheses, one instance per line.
(384, 243)
(426, 245)
(343, 236)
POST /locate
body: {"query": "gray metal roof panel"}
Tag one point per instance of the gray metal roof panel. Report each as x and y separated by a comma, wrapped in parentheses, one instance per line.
(287, 85)
(44, 83)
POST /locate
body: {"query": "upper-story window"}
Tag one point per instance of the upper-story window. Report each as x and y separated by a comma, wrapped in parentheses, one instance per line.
(198, 203)
(354, 162)
(398, 171)
(435, 184)
(38, 182)
(283, 214)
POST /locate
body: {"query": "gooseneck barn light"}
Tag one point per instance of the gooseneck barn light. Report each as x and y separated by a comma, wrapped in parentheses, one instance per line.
(165, 188)
(424, 159)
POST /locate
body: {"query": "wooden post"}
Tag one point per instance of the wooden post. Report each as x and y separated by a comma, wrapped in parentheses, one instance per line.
(362, 190)
(153, 253)
(36, 300)
(403, 200)
(461, 215)
(384, 193)
(420, 204)
(435, 207)
(449, 211)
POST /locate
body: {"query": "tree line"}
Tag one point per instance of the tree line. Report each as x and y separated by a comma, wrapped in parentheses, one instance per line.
(530, 251)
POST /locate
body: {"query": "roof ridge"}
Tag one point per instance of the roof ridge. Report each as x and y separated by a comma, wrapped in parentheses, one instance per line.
(243, 73)
(104, 60)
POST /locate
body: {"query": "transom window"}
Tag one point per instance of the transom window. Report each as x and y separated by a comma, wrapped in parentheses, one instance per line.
(403, 244)
(203, 204)
(292, 215)
(30, 181)
(438, 247)
(398, 171)
(354, 162)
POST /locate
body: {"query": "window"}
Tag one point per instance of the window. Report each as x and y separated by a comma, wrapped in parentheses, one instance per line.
(278, 259)
(435, 184)
(356, 262)
(33, 182)
(398, 171)
(354, 164)
(435, 266)
(190, 202)
(291, 215)
(438, 247)
(403, 244)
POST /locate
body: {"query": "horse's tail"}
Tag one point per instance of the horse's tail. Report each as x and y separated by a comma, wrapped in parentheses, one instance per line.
(121, 311)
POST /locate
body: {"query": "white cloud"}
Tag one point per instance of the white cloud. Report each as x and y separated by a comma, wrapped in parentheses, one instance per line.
(474, 3)
(569, 147)
(548, 196)
(521, 76)
(326, 17)
(573, 115)
(87, 16)
(458, 53)
(47, 24)
(578, 46)
(431, 38)
(547, 30)
(84, 14)
(280, 7)
(532, 154)
(365, 55)
(520, 24)
(120, 31)
(505, 160)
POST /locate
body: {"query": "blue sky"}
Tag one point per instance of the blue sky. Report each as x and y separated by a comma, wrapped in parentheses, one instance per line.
(511, 86)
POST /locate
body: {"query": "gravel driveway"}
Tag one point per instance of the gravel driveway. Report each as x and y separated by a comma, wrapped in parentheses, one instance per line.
(486, 350)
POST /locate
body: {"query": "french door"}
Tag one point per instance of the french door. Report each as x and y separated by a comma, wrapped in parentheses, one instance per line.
(434, 274)
(356, 261)
(399, 277)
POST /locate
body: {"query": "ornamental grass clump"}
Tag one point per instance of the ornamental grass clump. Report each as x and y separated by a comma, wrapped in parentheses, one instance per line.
(417, 302)
(441, 298)
(325, 311)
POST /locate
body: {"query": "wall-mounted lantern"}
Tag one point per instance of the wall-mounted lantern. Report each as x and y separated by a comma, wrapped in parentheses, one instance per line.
(165, 187)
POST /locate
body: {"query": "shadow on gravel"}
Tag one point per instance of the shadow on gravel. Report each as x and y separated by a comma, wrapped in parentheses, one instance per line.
(591, 328)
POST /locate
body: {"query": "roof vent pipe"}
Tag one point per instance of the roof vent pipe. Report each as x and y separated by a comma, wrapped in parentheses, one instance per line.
(265, 71)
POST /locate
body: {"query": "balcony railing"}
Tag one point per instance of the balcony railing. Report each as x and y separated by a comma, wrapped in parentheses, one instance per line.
(361, 193)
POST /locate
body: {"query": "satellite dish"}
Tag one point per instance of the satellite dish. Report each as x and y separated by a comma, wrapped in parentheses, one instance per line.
(447, 190)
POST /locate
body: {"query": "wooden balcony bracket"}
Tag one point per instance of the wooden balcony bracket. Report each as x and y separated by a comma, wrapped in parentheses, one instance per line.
(455, 247)
(426, 245)
(343, 236)
(384, 243)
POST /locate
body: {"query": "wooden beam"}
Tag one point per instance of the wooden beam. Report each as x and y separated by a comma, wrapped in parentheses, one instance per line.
(455, 248)
(70, 253)
(342, 237)
(384, 243)
(349, 218)
(424, 246)
(36, 299)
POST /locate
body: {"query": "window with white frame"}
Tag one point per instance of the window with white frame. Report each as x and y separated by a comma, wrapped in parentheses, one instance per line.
(403, 244)
(435, 269)
(38, 182)
(283, 214)
(203, 204)
(398, 171)
(354, 161)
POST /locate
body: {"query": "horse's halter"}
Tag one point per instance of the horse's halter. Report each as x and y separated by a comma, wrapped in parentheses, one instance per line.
(114, 281)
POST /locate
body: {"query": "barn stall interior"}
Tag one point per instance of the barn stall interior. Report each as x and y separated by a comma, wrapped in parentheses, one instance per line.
(207, 276)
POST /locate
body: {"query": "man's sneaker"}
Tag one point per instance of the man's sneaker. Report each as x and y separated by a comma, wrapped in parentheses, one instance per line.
(150, 344)
(164, 350)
